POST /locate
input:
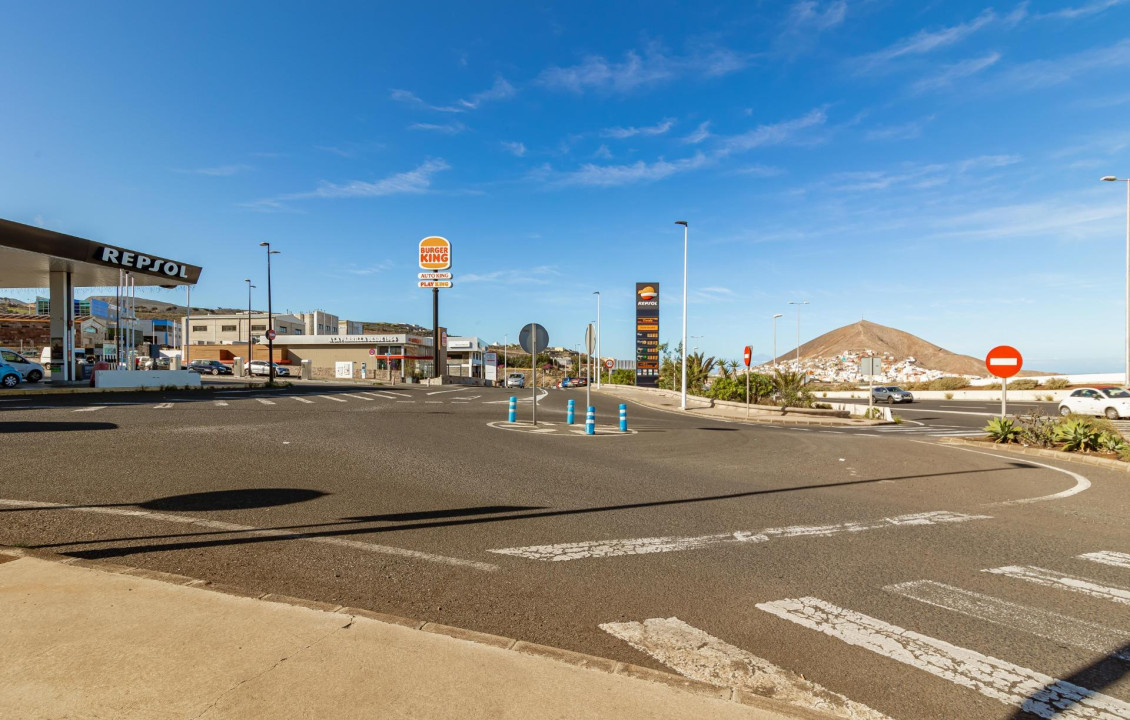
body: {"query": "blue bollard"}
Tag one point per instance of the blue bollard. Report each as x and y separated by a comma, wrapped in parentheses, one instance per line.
(513, 409)
(623, 417)
(571, 411)
(590, 421)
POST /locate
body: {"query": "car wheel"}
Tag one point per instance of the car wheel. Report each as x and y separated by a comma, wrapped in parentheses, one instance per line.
(34, 376)
(10, 381)
(1111, 413)
(890, 401)
(215, 371)
(1064, 410)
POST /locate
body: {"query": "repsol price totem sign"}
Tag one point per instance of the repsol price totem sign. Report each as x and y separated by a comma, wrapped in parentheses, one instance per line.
(647, 334)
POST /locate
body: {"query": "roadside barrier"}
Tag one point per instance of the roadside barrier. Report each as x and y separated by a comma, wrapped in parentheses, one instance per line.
(569, 414)
(513, 409)
(590, 421)
(623, 417)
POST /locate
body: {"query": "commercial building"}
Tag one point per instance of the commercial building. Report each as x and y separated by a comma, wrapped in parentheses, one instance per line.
(465, 356)
(233, 329)
(318, 322)
(350, 327)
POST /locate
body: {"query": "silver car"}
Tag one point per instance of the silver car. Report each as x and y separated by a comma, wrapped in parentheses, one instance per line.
(891, 395)
(516, 380)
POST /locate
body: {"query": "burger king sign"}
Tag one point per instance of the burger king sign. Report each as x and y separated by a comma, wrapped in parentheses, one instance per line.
(435, 253)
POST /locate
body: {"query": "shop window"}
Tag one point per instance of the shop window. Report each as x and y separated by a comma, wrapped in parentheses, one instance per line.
(227, 328)
(199, 328)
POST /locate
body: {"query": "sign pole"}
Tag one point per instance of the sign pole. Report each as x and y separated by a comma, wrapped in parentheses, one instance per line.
(747, 393)
(534, 370)
(1004, 398)
(870, 391)
(435, 332)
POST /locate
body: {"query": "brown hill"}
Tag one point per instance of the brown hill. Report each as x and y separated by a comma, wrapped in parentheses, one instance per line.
(879, 339)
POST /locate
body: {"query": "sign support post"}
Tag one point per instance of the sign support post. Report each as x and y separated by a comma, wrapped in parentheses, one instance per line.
(534, 371)
(1004, 362)
(435, 332)
(748, 356)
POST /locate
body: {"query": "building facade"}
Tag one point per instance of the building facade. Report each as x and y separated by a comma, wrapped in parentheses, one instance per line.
(465, 356)
(350, 327)
(318, 322)
(234, 329)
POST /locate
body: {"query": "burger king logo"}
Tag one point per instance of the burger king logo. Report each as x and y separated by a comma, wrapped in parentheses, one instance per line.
(435, 253)
(648, 293)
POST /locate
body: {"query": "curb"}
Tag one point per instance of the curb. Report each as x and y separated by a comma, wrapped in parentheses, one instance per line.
(569, 657)
(1044, 453)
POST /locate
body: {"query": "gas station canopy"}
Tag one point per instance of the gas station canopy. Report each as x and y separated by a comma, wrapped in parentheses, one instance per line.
(28, 256)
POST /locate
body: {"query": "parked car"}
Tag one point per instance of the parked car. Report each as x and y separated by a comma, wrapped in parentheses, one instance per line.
(261, 367)
(516, 380)
(1114, 402)
(209, 367)
(573, 382)
(30, 371)
(891, 394)
(9, 376)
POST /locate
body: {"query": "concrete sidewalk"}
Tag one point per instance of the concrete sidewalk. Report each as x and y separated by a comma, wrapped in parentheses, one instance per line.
(84, 642)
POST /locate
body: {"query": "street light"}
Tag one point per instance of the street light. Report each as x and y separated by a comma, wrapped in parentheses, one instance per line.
(247, 370)
(683, 403)
(775, 339)
(798, 304)
(1111, 178)
(598, 371)
(270, 318)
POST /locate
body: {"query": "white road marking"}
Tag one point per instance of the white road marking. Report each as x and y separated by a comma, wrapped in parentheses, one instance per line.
(92, 408)
(406, 401)
(383, 396)
(644, 546)
(331, 397)
(1053, 626)
(221, 403)
(433, 402)
(1108, 557)
(265, 402)
(163, 406)
(253, 531)
(390, 392)
(1050, 578)
(1081, 483)
(1031, 691)
(466, 398)
(437, 392)
(303, 400)
(360, 397)
(699, 656)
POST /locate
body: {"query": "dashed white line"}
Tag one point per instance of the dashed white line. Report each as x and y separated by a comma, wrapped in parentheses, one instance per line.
(163, 406)
(265, 401)
(221, 403)
(92, 408)
(700, 656)
(1053, 626)
(1108, 557)
(390, 392)
(1031, 691)
(643, 546)
(437, 392)
(383, 396)
(303, 400)
(331, 397)
(360, 397)
(1050, 578)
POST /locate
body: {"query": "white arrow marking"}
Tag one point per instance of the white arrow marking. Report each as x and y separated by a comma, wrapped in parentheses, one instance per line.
(1108, 557)
(1048, 578)
(699, 656)
(644, 546)
(1031, 691)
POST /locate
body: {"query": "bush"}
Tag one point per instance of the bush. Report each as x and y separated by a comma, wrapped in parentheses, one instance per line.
(1111, 442)
(1056, 384)
(1038, 429)
(725, 388)
(622, 377)
(949, 396)
(947, 383)
(1025, 384)
(1077, 434)
(1002, 430)
(790, 389)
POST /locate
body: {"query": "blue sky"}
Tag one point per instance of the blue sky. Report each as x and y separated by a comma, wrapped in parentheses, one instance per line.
(929, 166)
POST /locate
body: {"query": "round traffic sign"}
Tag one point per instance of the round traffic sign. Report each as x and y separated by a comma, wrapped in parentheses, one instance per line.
(539, 340)
(372, 351)
(1004, 361)
(609, 363)
(748, 355)
(271, 334)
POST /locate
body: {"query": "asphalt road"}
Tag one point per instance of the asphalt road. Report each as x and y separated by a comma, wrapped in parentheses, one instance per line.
(811, 551)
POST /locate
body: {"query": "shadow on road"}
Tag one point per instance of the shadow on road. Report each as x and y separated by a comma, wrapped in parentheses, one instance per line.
(194, 541)
(233, 499)
(36, 427)
(1103, 672)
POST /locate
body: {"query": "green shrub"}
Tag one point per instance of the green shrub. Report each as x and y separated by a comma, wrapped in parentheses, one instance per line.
(1077, 434)
(1024, 384)
(725, 388)
(1111, 442)
(1056, 384)
(1002, 430)
(622, 377)
(947, 383)
(791, 390)
(1038, 429)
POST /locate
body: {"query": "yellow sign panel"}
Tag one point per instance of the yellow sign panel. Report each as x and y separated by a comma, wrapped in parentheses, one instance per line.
(435, 253)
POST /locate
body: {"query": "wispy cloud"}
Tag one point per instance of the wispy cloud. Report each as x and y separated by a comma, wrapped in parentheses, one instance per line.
(592, 175)
(540, 275)
(925, 41)
(1045, 73)
(950, 74)
(517, 148)
(603, 153)
(412, 182)
(905, 131)
(501, 90)
(219, 170)
(714, 294)
(639, 69)
(408, 97)
(810, 17)
(367, 270)
(451, 128)
(758, 170)
(920, 177)
(621, 133)
(788, 131)
(702, 132)
(1086, 10)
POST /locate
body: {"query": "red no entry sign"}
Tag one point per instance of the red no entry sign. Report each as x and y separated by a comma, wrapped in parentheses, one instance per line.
(270, 334)
(1004, 361)
(748, 355)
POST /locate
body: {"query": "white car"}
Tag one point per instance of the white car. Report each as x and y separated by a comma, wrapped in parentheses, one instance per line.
(31, 372)
(1114, 402)
(516, 380)
(260, 367)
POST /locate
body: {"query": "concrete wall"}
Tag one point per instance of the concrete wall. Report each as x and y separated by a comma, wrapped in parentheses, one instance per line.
(145, 378)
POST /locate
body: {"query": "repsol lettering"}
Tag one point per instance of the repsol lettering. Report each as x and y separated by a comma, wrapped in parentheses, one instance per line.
(137, 261)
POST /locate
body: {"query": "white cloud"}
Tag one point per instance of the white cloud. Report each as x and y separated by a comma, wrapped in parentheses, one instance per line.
(957, 71)
(1071, 13)
(333, 150)
(775, 134)
(452, 128)
(517, 148)
(501, 90)
(807, 17)
(592, 175)
(919, 177)
(702, 132)
(759, 171)
(540, 275)
(1044, 73)
(905, 131)
(925, 42)
(603, 152)
(621, 133)
(637, 70)
(412, 182)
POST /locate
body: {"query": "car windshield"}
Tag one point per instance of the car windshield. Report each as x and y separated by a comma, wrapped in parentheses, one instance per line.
(1116, 393)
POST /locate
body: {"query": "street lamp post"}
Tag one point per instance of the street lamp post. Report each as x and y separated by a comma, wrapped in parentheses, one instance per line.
(683, 395)
(270, 318)
(775, 339)
(1111, 178)
(598, 369)
(798, 304)
(247, 368)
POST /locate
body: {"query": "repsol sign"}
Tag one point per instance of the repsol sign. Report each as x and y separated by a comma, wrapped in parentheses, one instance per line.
(140, 262)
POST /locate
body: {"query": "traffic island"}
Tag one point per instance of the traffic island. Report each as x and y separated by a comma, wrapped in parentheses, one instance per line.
(1084, 458)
